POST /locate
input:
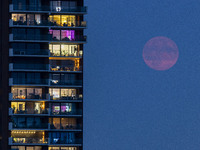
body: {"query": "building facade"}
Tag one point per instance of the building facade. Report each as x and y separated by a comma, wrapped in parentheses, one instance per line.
(42, 74)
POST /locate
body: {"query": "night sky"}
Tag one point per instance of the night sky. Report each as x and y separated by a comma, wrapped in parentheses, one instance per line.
(127, 105)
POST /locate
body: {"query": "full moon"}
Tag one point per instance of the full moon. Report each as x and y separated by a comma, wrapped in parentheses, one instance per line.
(160, 53)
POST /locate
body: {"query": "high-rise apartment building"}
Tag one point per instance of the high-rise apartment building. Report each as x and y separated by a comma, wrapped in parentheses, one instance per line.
(41, 96)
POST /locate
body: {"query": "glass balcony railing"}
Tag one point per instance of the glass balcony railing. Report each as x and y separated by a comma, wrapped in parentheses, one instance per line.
(29, 140)
(65, 127)
(74, 112)
(31, 52)
(16, 96)
(66, 82)
(66, 54)
(64, 68)
(65, 141)
(76, 9)
(49, 23)
(33, 125)
(67, 97)
(31, 66)
(29, 111)
(47, 37)
(35, 81)
(45, 141)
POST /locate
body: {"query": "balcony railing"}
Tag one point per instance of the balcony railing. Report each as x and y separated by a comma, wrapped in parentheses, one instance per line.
(29, 96)
(44, 38)
(46, 23)
(76, 54)
(74, 112)
(61, 9)
(29, 52)
(28, 111)
(63, 97)
(44, 141)
(28, 141)
(66, 82)
(44, 126)
(26, 66)
(27, 81)
(64, 68)
(65, 141)
(66, 127)
(33, 126)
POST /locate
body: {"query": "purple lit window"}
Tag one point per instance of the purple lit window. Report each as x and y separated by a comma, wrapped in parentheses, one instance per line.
(68, 35)
(56, 108)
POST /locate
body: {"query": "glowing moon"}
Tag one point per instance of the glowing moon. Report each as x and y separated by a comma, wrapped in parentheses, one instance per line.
(160, 53)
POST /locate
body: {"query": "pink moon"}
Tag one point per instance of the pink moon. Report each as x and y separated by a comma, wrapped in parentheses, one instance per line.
(160, 53)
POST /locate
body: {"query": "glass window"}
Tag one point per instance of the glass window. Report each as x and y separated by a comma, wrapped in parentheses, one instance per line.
(55, 93)
(21, 122)
(38, 18)
(30, 122)
(69, 148)
(54, 148)
(68, 92)
(68, 35)
(30, 148)
(18, 106)
(19, 17)
(55, 108)
(56, 50)
(55, 19)
(30, 19)
(56, 123)
(68, 20)
(55, 34)
(18, 147)
(38, 148)
(66, 107)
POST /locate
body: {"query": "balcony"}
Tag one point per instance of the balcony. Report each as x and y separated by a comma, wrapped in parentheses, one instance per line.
(28, 141)
(41, 112)
(67, 127)
(44, 141)
(33, 126)
(47, 24)
(67, 54)
(67, 98)
(56, 68)
(47, 9)
(29, 52)
(28, 82)
(29, 67)
(66, 83)
(74, 113)
(45, 38)
(65, 139)
(30, 97)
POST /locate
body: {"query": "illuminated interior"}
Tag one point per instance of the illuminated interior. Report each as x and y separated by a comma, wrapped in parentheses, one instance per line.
(65, 94)
(63, 20)
(63, 64)
(66, 35)
(27, 93)
(63, 108)
(26, 19)
(28, 107)
(63, 123)
(28, 136)
(65, 50)
(63, 148)
(26, 147)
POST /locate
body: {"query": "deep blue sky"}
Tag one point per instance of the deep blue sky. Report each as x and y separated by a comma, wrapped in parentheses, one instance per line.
(127, 105)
